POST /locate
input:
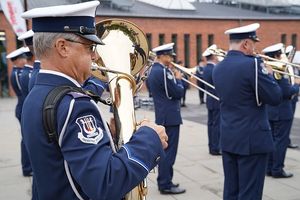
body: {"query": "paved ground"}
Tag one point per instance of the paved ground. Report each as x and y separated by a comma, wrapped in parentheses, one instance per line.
(195, 170)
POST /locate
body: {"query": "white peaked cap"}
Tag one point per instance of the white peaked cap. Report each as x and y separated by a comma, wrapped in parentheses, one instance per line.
(18, 52)
(244, 32)
(273, 48)
(289, 48)
(164, 49)
(208, 51)
(80, 9)
(26, 35)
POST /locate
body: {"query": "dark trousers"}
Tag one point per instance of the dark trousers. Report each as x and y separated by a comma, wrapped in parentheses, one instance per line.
(294, 108)
(244, 176)
(280, 133)
(213, 126)
(26, 166)
(201, 94)
(25, 161)
(165, 166)
(184, 95)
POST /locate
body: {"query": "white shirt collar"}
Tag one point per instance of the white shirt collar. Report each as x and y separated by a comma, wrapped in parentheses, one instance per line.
(46, 71)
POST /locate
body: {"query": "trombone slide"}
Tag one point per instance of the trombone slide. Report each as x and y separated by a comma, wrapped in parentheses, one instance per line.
(206, 92)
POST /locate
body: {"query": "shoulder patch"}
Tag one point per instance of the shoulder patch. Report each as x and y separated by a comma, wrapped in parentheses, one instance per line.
(89, 132)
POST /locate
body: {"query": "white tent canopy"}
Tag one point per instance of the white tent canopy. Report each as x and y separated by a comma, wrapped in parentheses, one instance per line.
(171, 4)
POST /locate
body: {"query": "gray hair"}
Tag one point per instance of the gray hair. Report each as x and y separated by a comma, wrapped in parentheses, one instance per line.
(43, 42)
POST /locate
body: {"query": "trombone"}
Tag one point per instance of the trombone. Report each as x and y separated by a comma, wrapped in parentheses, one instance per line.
(278, 66)
(191, 72)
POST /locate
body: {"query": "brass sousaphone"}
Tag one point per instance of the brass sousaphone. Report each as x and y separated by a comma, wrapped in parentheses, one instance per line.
(122, 57)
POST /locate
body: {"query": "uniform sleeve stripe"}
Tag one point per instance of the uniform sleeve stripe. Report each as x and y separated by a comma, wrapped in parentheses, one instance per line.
(61, 135)
(18, 81)
(96, 84)
(165, 83)
(134, 159)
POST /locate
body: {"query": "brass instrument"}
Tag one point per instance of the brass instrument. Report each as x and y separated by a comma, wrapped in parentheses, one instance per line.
(191, 72)
(123, 56)
(278, 66)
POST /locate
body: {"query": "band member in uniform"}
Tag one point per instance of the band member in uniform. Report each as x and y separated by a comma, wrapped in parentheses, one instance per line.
(28, 68)
(199, 74)
(244, 85)
(280, 118)
(80, 163)
(24, 82)
(18, 57)
(212, 105)
(30, 76)
(167, 90)
(290, 50)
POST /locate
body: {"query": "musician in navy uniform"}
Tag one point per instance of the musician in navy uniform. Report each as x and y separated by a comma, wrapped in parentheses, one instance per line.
(28, 68)
(167, 90)
(199, 74)
(18, 57)
(81, 162)
(290, 53)
(280, 118)
(27, 37)
(244, 85)
(212, 105)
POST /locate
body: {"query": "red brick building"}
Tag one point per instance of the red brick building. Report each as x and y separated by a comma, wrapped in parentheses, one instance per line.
(191, 30)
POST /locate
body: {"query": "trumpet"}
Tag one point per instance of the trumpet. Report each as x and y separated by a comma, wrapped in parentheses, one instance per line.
(191, 72)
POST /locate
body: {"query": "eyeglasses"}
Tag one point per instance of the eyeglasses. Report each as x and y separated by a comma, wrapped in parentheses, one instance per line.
(92, 47)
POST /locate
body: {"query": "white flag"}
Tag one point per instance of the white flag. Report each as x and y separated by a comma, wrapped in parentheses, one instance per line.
(12, 10)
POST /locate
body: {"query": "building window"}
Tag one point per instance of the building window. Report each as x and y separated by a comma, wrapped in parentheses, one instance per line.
(174, 40)
(283, 39)
(149, 39)
(294, 40)
(187, 49)
(210, 39)
(161, 38)
(198, 47)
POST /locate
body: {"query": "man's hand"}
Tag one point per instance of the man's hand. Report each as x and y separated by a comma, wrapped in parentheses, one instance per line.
(178, 74)
(160, 130)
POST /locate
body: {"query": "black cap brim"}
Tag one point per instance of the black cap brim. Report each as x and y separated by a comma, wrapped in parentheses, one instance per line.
(92, 38)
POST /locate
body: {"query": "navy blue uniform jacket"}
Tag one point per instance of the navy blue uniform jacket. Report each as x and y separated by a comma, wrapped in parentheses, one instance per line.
(211, 103)
(245, 128)
(284, 110)
(84, 146)
(16, 85)
(35, 71)
(24, 79)
(166, 92)
(95, 85)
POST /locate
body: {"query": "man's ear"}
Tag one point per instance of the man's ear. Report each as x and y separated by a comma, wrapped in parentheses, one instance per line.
(62, 48)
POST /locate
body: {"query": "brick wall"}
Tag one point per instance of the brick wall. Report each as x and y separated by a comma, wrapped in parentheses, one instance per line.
(269, 32)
